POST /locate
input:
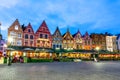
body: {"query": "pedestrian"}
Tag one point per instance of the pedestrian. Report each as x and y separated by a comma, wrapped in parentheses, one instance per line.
(9, 61)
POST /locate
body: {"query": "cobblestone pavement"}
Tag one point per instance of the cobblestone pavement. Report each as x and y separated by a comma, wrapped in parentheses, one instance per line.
(61, 71)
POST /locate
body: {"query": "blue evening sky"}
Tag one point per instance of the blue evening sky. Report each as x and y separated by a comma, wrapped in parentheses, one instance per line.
(96, 16)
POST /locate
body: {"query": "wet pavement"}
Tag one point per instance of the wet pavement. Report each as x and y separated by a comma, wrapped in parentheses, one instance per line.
(61, 71)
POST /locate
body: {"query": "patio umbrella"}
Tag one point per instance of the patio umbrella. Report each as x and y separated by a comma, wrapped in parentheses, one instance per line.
(28, 49)
(37, 50)
(10, 49)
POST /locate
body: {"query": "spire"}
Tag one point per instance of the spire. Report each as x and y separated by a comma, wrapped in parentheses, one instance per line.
(44, 23)
(16, 21)
(57, 28)
(29, 24)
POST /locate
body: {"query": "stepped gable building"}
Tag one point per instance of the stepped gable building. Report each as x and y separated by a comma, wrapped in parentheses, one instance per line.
(68, 41)
(57, 39)
(87, 41)
(28, 36)
(98, 40)
(78, 40)
(43, 36)
(15, 34)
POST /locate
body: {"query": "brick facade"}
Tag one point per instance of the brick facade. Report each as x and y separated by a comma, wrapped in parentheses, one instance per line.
(28, 36)
(43, 36)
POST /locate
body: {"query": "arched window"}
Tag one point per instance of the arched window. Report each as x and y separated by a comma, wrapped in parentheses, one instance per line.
(31, 36)
(26, 36)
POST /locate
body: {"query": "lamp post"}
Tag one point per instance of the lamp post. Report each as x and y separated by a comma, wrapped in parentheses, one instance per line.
(97, 49)
(9, 56)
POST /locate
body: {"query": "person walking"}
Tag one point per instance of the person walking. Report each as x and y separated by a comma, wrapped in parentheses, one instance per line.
(9, 61)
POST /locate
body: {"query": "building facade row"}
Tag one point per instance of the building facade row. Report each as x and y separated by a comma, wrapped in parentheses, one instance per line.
(25, 36)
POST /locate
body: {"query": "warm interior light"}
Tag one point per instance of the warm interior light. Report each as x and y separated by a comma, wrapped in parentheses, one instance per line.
(97, 48)
(10, 39)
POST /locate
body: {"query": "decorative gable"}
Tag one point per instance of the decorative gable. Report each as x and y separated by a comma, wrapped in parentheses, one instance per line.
(15, 26)
(43, 36)
(15, 33)
(29, 29)
(43, 28)
(67, 36)
(86, 36)
(57, 33)
(78, 37)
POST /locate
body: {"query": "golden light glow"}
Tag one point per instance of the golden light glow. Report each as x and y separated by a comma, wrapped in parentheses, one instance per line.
(97, 48)
(5, 45)
(10, 39)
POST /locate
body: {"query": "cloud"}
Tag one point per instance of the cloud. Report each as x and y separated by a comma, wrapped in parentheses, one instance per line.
(8, 3)
(87, 15)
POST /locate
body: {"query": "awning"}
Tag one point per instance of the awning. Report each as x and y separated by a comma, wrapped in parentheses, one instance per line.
(28, 49)
(10, 49)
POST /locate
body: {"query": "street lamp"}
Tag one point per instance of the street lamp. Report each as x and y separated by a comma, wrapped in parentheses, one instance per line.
(97, 49)
(10, 39)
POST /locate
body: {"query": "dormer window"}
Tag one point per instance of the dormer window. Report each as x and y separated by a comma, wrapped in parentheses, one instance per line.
(29, 30)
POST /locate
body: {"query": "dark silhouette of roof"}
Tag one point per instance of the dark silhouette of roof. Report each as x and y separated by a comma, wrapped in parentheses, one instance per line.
(23, 27)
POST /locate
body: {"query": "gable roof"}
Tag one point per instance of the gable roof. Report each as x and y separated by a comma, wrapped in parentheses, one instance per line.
(16, 22)
(78, 32)
(29, 26)
(57, 30)
(67, 34)
(43, 25)
(86, 34)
